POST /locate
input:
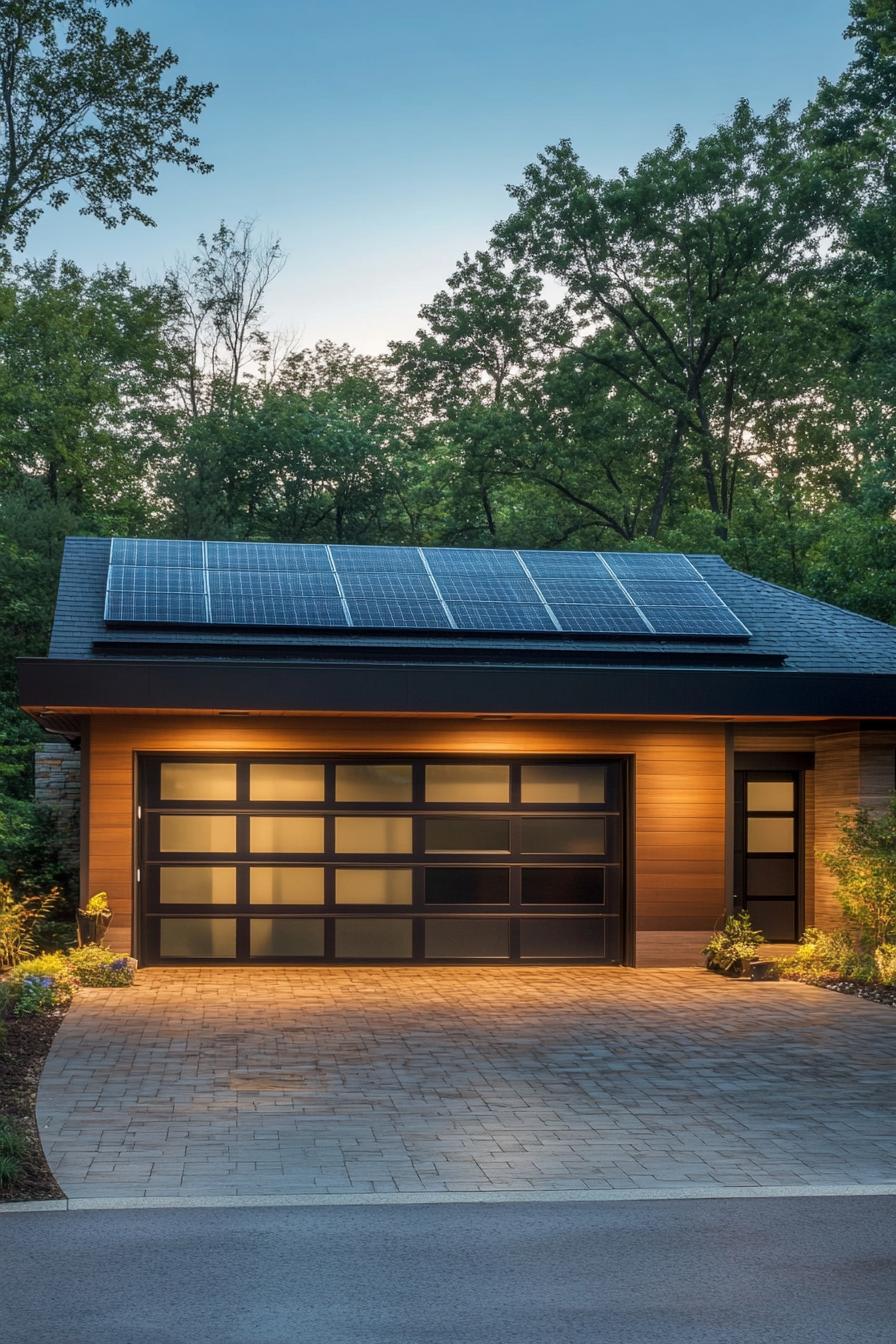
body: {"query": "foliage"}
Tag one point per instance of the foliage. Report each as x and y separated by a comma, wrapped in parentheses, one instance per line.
(98, 906)
(13, 1147)
(97, 967)
(819, 953)
(87, 112)
(19, 916)
(732, 946)
(37, 985)
(864, 864)
(885, 963)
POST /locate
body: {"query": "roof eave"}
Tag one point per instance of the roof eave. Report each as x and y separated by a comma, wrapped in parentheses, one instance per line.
(78, 686)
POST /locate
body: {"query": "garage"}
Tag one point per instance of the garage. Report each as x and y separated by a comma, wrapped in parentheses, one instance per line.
(275, 859)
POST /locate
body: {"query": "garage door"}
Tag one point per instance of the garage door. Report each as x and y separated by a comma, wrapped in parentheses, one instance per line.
(274, 859)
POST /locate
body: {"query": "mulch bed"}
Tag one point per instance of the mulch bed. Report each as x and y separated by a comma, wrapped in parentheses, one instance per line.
(24, 1045)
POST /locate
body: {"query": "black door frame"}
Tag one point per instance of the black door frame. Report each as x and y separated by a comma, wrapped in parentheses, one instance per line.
(789, 764)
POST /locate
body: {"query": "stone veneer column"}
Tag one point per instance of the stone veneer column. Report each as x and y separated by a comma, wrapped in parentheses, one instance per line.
(57, 785)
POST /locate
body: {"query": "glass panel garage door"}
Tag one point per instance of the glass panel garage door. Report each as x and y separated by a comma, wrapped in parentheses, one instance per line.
(273, 860)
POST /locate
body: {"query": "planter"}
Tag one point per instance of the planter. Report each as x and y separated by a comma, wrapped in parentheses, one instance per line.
(765, 970)
(91, 928)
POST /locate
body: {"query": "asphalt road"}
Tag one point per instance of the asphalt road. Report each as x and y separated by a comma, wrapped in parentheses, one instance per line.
(678, 1272)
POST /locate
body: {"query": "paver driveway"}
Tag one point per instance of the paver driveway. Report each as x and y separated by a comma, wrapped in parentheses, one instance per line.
(343, 1080)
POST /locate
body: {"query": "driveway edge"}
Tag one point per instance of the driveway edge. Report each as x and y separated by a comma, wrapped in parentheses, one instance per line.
(450, 1197)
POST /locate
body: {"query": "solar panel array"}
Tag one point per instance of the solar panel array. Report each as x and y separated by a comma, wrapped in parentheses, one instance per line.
(263, 584)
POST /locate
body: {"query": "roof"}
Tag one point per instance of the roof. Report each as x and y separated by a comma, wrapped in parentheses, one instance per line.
(849, 659)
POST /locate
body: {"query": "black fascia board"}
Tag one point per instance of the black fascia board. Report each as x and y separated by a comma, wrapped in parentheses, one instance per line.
(56, 683)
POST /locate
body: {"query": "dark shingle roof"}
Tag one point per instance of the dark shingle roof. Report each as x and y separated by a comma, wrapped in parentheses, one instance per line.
(796, 632)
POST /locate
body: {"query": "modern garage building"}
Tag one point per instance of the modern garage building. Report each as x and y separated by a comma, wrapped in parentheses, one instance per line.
(309, 753)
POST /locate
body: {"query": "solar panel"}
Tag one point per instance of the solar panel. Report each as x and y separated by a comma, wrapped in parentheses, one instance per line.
(557, 564)
(261, 555)
(402, 615)
(652, 594)
(500, 616)
(626, 566)
(248, 583)
(695, 621)
(137, 551)
(271, 609)
(376, 559)
(494, 588)
(387, 587)
(591, 592)
(463, 560)
(602, 620)
(392, 588)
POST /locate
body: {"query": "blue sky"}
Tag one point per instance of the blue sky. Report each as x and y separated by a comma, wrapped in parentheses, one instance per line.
(376, 137)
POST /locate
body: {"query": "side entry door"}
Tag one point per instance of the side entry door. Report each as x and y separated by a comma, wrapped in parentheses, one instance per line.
(767, 845)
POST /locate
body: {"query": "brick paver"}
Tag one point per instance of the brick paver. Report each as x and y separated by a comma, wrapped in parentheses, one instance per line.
(343, 1080)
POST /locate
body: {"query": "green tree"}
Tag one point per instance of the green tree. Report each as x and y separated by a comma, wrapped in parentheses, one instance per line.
(86, 112)
(690, 276)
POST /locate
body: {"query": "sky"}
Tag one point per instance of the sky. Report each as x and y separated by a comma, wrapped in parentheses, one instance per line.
(376, 138)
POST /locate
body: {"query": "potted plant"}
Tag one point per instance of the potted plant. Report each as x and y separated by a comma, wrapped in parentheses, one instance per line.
(732, 948)
(94, 919)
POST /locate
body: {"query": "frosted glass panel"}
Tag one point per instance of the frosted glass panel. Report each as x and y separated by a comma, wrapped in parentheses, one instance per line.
(286, 886)
(211, 780)
(563, 784)
(208, 938)
(770, 795)
(286, 937)
(286, 835)
(770, 835)
(468, 783)
(358, 783)
(373, 835)
(373, 938)
(197, 886)
(373, 886)
(201, 835)
(297, 782)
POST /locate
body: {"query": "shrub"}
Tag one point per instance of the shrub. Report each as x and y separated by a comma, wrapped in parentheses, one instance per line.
(12, 1151)
(885, 963)
(37, 985)
(864, 864)
(732, 946)
(96, 966)
(819, 953)
(19, 916)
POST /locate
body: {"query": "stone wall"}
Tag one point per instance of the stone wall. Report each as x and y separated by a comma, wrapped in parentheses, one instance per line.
(57, 785)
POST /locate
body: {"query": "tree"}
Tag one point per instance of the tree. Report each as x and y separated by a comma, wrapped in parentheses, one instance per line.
(217, 300)
(84, 387)
(688, 275)
(87, 112)
(864, 864)
(484, 334)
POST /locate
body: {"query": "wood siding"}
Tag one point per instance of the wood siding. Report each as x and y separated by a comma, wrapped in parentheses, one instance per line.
(679, 770)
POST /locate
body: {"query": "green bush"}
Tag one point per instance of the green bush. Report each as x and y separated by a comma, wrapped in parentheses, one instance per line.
(819, 953)
(733, 946)
(37, 985)
(96, 966)
(885, 963)
(20, 917)
(12, 1150)
(864, 864)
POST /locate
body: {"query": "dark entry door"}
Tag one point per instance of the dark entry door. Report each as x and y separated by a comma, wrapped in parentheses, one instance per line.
(767, 851)
(282, 859)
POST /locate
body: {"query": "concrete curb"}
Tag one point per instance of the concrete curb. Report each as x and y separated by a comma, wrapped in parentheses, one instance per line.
(450, 1197)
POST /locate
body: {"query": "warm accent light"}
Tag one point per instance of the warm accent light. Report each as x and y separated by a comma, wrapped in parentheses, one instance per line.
(494, 718)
